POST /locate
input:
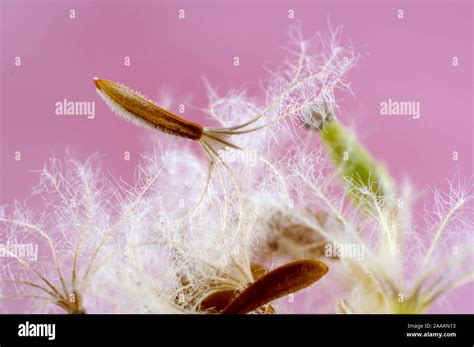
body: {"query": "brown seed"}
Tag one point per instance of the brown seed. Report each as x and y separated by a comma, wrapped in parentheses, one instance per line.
(257, 271)
(282, 281)
(135, 107)
(291, 238)
(217, 301)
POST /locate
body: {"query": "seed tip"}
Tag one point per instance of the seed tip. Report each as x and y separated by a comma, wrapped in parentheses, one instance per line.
(97, 82)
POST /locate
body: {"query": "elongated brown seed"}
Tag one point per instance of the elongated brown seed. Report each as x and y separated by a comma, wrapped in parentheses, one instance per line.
(217, 301)
(282, 281)
(291, 238)
(132, 106)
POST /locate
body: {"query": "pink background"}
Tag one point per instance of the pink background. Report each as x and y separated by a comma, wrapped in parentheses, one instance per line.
(407, 59)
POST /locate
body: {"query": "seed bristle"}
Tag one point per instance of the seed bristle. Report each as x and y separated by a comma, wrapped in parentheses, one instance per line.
(135, 107)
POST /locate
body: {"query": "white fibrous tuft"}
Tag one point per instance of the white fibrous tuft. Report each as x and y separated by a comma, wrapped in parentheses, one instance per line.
(48, 251)
(303, 86)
